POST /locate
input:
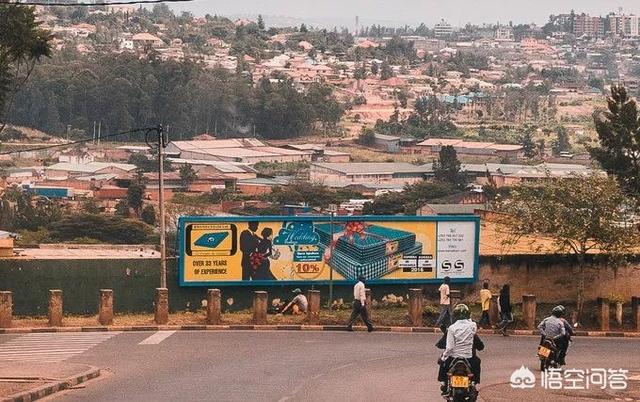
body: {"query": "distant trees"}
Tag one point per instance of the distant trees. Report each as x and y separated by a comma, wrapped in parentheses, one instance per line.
(367, 137)
(124, 92)
(148, 215)
(386, 71)
(447, 168)
(102, 228)
(135, 195)
(528, 147)
(412, 198)
(19, 210)
(187, 176)
(561, 142)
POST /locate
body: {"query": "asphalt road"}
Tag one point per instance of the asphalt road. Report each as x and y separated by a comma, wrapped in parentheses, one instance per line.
(309, 366)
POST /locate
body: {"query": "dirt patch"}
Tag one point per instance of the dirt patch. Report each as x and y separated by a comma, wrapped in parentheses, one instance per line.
(396, 316)
(11, 388)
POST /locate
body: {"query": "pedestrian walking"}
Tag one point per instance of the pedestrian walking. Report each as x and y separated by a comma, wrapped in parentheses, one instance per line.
(359, 306)
(506, 313)
(485, 301)
(444, 319)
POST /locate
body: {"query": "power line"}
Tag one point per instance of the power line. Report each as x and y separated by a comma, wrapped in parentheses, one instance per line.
(66, 144)
(98, 3)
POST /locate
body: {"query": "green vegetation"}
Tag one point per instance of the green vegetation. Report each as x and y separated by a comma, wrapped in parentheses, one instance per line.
(102, 228)
(579, 214)
(312, 194)
(410, 200)
(619, 133)
(447, 167)
(22, 44)
(124, 92)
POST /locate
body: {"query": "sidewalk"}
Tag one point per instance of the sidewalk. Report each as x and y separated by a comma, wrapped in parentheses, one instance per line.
(31, 381)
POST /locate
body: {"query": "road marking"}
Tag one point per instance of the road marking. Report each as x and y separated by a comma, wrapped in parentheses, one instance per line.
(51, 347)
(157, 338)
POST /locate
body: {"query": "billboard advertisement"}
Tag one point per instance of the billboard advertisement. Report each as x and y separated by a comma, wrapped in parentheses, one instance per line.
(312, 249)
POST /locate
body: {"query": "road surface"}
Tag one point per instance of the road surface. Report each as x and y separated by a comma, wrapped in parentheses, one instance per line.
(292, 365)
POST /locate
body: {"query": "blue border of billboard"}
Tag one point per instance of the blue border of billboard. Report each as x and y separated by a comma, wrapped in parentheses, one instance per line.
(324, 218)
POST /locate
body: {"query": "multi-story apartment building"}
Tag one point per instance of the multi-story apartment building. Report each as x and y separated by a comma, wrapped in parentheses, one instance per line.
(504, 34)
(584, 24)
(443, 29)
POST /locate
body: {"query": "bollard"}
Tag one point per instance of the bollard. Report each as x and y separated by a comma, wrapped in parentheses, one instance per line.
(635, 312)
(260, 307)
(161, 316)
(55, 308)
(105, 311)
(313, 313)
(603, 313)
(494, 313)
(6, 309)
(415, 307)
(213, 307)
(529, 311)
(618, 312)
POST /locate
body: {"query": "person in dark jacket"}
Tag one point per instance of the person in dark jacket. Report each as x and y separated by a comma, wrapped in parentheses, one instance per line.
(506, 313)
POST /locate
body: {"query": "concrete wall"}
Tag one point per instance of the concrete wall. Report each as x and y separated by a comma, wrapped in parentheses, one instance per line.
(554, 278)
(550, 278)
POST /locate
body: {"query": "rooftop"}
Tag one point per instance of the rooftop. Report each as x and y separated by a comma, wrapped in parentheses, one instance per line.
(373, 167)
(90, 167)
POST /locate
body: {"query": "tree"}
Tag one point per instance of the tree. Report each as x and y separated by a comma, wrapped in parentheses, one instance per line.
(19, 210)
(375, 68)
(104, 228)
(148, 215)
(90, 206)
(386, 71)
(447, 168)
(122, 208)
(22, 44)
(303, 28)
(578, 215)
(260, 23)
(618, 130)
(528, 147)
(367, 137)
(187, 176)
(135, 195)
(561, 143)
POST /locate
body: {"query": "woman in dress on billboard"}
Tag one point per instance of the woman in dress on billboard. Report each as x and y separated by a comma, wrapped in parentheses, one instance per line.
(265, 248)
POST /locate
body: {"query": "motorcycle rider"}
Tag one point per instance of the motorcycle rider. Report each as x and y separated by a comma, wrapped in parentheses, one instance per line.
(554, 328)
(462, 342)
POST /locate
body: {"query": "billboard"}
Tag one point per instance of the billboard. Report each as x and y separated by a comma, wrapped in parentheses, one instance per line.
(311, 249)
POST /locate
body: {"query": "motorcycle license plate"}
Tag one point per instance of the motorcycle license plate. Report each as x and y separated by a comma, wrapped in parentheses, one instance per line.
(544, 352)
(458, 381)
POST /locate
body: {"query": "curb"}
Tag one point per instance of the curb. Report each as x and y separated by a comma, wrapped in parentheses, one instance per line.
(53, 387)
(291, 327)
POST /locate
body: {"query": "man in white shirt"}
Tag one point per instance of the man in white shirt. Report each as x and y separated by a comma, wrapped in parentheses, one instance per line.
(359, 305)
(444, 320)
(462, 342)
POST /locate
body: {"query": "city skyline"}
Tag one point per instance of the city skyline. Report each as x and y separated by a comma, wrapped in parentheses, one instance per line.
(456, 12)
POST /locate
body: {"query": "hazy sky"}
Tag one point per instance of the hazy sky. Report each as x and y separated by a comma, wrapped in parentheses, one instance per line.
(457, 12)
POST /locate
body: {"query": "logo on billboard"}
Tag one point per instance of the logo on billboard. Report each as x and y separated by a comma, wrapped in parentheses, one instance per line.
(456, 266)
(211, 240)
(296, 233)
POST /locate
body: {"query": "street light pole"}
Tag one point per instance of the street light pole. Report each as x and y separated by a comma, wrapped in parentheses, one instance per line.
(163, 248)
(332, 209)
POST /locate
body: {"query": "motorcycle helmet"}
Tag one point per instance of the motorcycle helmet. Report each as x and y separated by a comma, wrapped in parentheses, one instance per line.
(461, 312)
(558, 311)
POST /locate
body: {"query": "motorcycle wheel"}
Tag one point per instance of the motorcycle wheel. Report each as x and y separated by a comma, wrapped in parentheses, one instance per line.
(459, 396)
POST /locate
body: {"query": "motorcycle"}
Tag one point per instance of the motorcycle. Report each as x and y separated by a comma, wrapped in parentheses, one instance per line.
(548, 354)
(461, 386)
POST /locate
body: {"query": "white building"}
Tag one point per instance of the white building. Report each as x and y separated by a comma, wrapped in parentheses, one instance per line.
(443, 29)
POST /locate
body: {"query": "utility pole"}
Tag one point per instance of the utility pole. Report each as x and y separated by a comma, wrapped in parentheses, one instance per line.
(333, 208)
(163, 250)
